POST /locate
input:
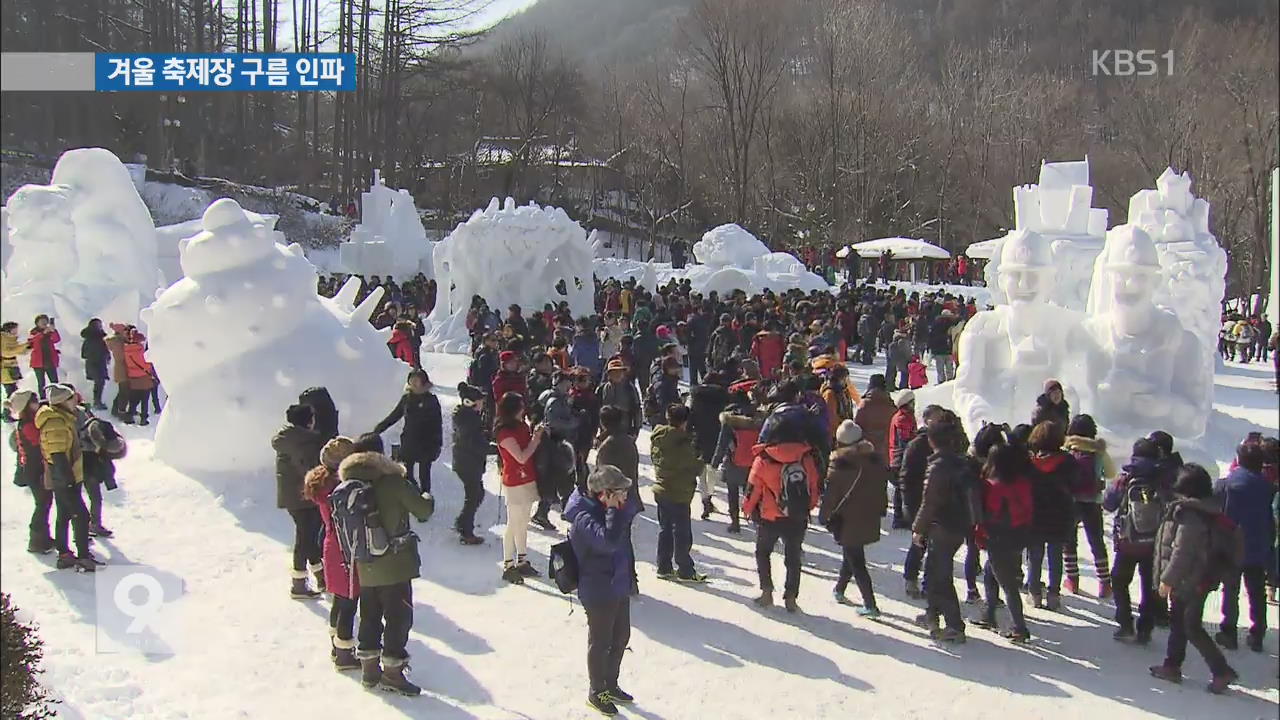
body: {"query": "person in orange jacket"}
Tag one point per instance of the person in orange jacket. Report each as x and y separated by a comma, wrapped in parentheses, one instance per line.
(142, 377)
(783, 491)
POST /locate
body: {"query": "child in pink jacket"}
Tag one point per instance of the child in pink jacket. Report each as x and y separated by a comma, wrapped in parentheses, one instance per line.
(917, 373)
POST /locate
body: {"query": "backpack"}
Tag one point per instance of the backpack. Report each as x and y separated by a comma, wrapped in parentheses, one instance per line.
(1012, 515)
(794, 499)
(357, 523)
(562, 566)
(1088, 474)
(1226, 549)
(1142, 510)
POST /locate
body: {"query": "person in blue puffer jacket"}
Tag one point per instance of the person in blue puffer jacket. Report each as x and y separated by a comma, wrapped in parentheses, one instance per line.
(600, 533)
(1246, 495)
(585, 350)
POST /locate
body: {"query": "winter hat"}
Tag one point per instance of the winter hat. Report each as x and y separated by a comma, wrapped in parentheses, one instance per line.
(607, 477)
(663, 332)
(470, 392)
(336, 450)
(616, 365)
(506, 356)
(105, 438)
(59, 394)
(906, 397)
(1050, 385)
(848, 433)
(19, 401)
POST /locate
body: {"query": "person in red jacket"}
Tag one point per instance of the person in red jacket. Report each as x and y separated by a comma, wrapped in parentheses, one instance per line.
(44, 341)
(24, 404)
(767, 348)
(401, 343)
(902, 428)
(340, 581)
(781, 502)
(509, 378)
(917, 373)
(141, 375)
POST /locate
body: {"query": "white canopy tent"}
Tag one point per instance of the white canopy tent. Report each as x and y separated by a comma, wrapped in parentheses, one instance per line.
(984, 249)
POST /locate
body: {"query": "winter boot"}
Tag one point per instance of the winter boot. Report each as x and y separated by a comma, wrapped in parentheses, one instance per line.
(602, 703)
(1124, 633)
(765, 600)
(1053, 601)
(972, 598)
(469, 539)
(1071, 585)
(511, 574)
(1227, 640)
(370, 671)
(1220, 683)
(913, 590)
(344, 655)
(707, 509)
(1254, 641)
(393, 679)
(87, 563)
(39, 546)
(66, 560)
(317, 571)
(840, 599)
(870, 612)
(950, 635)
(525, 568)
(1167, 672)
(619, 696)
(298, 589)
(1104, 589)
(735, 527)
(127, 419)
(97, 530)
(1019, 636)
(791, 605)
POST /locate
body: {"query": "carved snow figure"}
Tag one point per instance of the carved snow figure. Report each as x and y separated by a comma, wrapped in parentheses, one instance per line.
(83, 246)
(1008, 352)
(1058, 208)
(507, 255)
(236, 340)
(1194, 266)
(733, 259)
(1144, 369)
(390, 240)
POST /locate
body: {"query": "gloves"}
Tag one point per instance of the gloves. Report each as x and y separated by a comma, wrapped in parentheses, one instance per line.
(61, 474)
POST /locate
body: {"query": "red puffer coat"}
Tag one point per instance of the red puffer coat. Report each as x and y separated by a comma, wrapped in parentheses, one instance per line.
(337, 579)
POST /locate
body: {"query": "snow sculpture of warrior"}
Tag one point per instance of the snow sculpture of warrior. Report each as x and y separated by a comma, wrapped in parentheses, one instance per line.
(1144, 369)
(1008, 352)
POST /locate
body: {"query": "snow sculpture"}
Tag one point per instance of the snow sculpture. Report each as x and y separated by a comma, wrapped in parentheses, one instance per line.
(390, 239)
(1058, 209)
(1194, 265)
(5, 248)
(1144, 370)
(238, 338)
(598, 249)
(526, 256)
(1008, 352)
(733, 259)
(84, 246)
(729, 245)
(168, 237)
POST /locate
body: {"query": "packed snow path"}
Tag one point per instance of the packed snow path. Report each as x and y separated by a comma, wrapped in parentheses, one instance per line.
(482, 649)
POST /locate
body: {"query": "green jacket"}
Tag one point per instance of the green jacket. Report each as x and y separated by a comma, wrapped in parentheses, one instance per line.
(396, 498)
(676, 465)
(297, 451)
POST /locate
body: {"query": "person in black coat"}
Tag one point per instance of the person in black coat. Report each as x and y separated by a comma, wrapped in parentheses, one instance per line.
(706, 402)
(324, 410)
(94, 351)
(470, 455)
(420, 438)
(1052, 406)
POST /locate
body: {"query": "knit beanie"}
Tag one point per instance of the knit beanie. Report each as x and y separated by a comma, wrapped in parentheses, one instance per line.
(849, 433)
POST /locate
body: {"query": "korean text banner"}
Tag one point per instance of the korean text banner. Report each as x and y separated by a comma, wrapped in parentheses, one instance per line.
(190, 72)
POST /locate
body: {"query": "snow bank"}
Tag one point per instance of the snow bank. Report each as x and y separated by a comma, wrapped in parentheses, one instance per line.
(243, 333)
(83, 247)
(527, 256)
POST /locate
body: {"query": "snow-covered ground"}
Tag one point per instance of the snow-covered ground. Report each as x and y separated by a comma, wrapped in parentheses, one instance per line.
(482, 649)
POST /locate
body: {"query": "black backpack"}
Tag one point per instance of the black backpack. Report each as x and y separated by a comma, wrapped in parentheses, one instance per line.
(795, 498)
(562, 567)
(1142, 509)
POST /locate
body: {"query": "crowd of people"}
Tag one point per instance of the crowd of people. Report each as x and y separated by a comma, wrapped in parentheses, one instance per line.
(754, 393)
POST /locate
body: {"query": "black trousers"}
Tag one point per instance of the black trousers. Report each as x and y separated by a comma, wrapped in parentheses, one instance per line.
(93, 489)
(424, 473)
(791, 533)
(44, 377)
(853, 565)
(306, 537)
(735, 505)
(972, 563)
(138, 403)
(697, 367)
(386, 616)
(97, 391)
(940, 586)
(1255, 582)
(472, 495)
(120, 405)
(342, 616)
(1186, 625)
(39, 526)
(73, 514)
(608, 631)
(1122, 577)
(675, 538)
(1003, 573)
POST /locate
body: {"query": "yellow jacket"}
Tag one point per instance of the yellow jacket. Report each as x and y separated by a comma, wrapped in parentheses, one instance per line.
(10, 348)
(58, 434)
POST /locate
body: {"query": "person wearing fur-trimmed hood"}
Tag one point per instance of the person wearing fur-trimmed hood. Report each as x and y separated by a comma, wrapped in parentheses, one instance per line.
(855, 499)
(386, 594)
(341, 581)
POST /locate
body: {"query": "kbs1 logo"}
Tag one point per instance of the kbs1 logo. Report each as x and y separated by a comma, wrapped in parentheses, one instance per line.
(1130, 63)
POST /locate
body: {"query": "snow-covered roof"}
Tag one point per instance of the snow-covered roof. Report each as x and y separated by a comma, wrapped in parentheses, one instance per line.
(902, 249)
(984, 249)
